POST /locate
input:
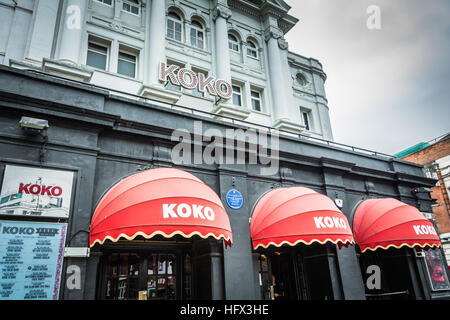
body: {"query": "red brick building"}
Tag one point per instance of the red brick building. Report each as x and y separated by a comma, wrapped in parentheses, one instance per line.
(435, 156)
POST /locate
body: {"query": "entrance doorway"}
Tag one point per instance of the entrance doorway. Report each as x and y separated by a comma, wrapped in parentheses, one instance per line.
(396, 273)
(298, 273)
(149, 272)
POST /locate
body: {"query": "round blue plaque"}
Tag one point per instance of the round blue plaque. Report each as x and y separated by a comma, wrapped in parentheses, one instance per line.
(235, 200)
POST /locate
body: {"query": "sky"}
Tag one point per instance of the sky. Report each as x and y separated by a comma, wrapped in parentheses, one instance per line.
(388, 88)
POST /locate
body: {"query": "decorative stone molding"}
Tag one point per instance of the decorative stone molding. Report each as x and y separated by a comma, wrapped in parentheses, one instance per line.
(272, 32)
(160, 93)
(282, 43)
(286, 125)
(230, 110)
(67, 69)
(221, 11)
(115, 25)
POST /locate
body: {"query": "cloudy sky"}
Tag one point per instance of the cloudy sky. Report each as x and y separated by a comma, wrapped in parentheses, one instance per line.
(387, 89)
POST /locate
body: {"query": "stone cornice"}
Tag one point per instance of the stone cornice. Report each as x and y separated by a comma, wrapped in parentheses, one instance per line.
(221, 11)
(272, 32)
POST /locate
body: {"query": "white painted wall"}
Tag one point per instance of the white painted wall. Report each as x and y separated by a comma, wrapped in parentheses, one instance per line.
(32, 31)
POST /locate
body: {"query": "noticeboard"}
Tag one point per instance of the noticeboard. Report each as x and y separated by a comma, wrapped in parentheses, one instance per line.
(31, 257)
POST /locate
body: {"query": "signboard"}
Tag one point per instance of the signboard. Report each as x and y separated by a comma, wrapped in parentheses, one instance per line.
(436, 270)
(31, 257)
(235, 200)
(188, 79)
(30, 191)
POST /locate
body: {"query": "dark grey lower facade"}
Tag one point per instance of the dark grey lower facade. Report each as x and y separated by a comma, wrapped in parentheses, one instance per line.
(102, 137)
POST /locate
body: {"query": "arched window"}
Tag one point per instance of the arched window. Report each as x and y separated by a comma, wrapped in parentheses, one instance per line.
(197, 35)
(233, 43)
(174, 26)
(252, 50)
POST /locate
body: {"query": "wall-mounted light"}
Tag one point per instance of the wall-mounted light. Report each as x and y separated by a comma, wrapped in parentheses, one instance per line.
(33, 126)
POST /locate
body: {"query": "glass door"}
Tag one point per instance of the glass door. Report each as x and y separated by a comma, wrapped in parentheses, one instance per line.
(161, 277)
(148, 275)
(122, 276)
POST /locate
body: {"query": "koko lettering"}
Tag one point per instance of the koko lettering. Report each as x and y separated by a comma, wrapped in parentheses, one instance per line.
(17, 230)
(189, 79)
(330, 222)
(184, 210)
(423, 229)
(42, 190)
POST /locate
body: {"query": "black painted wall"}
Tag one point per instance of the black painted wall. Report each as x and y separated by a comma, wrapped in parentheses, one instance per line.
(104, 138)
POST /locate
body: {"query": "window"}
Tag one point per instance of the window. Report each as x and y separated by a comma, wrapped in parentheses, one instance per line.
(197, 35)
(301, 79)
(233, 43)
(131, 6)
(97, 55)
(195, 91)
(256, 100)
(306, 115)
(127, 63)
(174, 26)
(107, 2)
(170, 85)
(237, 95)
(252, 50)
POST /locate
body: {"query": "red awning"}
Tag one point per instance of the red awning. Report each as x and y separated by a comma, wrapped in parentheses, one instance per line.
(298, 215)
(385, 223)
(162, 201)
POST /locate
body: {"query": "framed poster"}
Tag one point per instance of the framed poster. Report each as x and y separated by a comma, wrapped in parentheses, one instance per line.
(31, 191)
(436, 270)
(31, 258)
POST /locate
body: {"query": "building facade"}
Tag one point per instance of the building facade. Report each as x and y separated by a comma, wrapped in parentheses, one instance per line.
(120, 44)
(96, 96)
(435, 157)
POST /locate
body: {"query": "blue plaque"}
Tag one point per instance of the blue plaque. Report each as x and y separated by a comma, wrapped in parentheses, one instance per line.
(235, 200)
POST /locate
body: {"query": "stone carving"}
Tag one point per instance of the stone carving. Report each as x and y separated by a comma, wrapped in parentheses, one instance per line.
(221, 11)
(273, 33)
(282, 43)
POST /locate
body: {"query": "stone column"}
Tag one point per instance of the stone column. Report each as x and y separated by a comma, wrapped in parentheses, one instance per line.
(40, 40)
(285, 116)
(276, 75)
(154, 53)
(292, 108)
(156, 41)
(221, 14)
(72, 30)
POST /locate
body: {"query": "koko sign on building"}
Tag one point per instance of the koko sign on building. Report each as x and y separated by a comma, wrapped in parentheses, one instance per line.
(36, 192)
(188, 79)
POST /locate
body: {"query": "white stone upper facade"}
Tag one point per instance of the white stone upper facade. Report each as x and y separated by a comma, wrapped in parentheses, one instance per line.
(119, 44)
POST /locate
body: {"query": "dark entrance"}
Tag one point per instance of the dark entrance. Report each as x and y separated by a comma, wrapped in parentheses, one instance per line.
(130, 276)
(397, 274)
(160, 269)
(298, 273)
(149, 270)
